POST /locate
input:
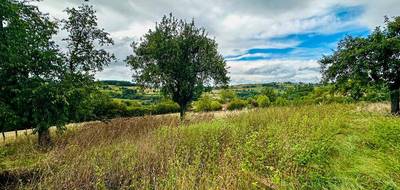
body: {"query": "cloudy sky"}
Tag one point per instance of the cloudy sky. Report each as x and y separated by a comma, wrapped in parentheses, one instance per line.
(262, 40)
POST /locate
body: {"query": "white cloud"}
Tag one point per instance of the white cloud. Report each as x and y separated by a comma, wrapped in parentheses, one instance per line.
(279, 70)
(237, 25)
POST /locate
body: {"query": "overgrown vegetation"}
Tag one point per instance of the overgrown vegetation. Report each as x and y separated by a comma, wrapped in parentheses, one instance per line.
(289, 136)
(308, 147)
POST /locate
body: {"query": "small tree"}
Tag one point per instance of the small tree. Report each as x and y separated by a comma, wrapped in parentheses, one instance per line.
(373, 60)
(180, 58)
(84, 39)
(84, 57)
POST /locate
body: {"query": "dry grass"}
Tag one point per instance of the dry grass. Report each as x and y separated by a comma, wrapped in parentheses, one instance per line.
(307, 147)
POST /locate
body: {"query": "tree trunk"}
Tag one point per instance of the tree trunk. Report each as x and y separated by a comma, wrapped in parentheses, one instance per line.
(44, 138)
(4, 136)
(182, 114)
(182, 111)
(16, 133)
(394, 101)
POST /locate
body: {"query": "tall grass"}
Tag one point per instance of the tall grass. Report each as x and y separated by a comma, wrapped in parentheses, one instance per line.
(307, 147)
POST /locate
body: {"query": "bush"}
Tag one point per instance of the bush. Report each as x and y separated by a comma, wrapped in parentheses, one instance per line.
(236, 104)
(270, 93)
(165, 106)
(215, 105)
(227, 95)
(252, 102)
(263, 101)
(105, 107)
(137, 111)
(205, 103)
(281, 101)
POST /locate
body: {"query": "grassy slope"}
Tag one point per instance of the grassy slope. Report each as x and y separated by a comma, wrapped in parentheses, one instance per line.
(309, 147)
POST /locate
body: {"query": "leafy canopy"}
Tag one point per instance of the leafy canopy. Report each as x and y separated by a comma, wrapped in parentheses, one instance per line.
(84, 40)
(374, 60)
(31, 70)
(179, 58)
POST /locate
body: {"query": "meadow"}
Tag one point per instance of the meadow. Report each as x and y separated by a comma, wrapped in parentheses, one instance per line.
(335, 146)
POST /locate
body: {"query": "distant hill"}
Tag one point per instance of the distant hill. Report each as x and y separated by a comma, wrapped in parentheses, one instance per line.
(117, 83)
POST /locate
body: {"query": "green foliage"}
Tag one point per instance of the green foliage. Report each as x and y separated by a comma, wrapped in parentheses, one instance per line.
(280, 101)
(117, 83)
(31, 70)
(368, 61)
(8, 119)
(227, 95)
(84, 55)
(166, 106)
(44, 87)
(236, 104)
(326, 95)
(252, 102)
(107, 108)
(298, 91)
(263, 101)
(182, 77)
(270, 93)
(244, 94)
(376, 94)
(205, 103)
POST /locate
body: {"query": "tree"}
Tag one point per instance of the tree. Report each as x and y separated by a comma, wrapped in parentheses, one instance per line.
(179, 58)
(84, 57)
(31, 70)
(372, 60)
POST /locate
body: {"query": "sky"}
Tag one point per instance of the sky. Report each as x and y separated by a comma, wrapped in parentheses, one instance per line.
(261, 40)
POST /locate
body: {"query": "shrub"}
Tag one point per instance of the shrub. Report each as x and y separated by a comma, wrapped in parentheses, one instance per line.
(227, 95)
(165, 106)
(252, 102)
(105, 107)
(263, 101)
(281, 101)
(236, 104)
(205, 103)
(215, 105)
(137, 111)
(132, 103)
(270, 93)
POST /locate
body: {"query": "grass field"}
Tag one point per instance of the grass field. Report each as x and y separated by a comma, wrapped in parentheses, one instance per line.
(306, 147)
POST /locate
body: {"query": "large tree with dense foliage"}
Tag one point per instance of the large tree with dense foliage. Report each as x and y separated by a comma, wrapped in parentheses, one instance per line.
(372, 60)
(40, 86)
(31, 70)
(179, 58)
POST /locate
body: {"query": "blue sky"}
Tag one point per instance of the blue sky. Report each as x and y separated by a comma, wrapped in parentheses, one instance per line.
(262, 41)
(310, 44)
